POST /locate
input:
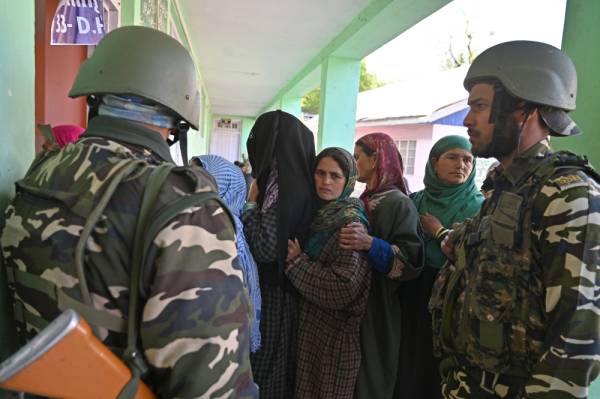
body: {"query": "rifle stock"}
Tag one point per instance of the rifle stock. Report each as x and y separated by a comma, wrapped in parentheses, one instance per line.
(65, 360)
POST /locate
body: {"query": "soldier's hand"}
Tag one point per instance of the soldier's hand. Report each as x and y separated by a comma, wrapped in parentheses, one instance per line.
(355, 236)
(447, 246)
(253, 192)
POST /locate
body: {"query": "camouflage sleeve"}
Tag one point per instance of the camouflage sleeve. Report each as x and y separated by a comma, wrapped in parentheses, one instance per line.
(568, 244)
(194, 329)
(335, 284)
(260, 229)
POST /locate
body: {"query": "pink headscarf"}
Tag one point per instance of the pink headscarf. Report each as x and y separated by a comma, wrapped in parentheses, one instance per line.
(64, 134)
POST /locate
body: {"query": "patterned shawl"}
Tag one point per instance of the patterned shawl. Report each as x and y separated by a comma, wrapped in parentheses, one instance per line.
(389, 166)
(232, 189)
(337, 213)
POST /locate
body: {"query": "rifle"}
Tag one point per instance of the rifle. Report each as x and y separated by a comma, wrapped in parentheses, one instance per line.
(65, 360)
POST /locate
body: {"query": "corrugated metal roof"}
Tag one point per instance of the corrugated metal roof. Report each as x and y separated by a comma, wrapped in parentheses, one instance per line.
(415, 97)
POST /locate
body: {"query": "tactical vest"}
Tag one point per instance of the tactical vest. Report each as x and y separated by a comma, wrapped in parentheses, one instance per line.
(488, 307)
(85, 208)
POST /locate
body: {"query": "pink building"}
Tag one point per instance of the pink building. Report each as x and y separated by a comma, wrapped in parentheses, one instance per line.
(415, 113)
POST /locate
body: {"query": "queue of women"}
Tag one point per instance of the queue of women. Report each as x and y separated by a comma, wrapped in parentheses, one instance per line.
(339, 285)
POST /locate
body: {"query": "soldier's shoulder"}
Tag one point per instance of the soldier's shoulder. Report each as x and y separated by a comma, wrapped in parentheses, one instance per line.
(569, 179)
(187, 180)
(209, 212)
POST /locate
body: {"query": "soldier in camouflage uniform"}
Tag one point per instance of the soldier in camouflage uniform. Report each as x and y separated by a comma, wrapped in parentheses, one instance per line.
(68, 241)
(516, 315)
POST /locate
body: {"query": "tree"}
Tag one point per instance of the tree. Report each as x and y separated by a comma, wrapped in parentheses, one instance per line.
(312, 101)
(464, 56)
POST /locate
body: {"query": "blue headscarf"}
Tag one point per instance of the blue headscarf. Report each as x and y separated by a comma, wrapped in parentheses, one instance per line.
(232, 189)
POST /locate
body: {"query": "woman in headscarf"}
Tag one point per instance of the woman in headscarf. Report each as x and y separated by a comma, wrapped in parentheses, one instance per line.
(232, 190)
(280, 207)
(450, 196)
(333, 284)
(395, 252)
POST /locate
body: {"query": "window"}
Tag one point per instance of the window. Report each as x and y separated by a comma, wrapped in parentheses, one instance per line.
(112, 14)
(228, 124)
(407, 149)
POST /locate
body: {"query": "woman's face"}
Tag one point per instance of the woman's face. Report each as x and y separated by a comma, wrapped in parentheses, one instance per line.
(454, 166)
(365, 164)
(329, 179)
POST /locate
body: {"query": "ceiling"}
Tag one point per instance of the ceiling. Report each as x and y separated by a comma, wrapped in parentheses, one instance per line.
(247, 51)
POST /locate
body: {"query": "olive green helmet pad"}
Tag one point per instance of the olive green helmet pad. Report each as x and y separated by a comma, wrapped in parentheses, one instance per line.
(535, 72)
(144, 62)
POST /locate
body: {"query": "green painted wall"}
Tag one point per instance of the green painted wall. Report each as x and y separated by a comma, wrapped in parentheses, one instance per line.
(207, 123)
(582, 30)
(130, 12)
(581, 33)
(247, 124)
(17, 113)
(339, 90)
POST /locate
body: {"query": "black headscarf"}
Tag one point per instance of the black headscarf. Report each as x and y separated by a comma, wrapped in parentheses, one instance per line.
(282, 136)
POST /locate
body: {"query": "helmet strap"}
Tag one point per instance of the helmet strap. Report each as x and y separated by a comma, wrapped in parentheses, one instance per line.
(93, 103)
(183, 146)
(180, 135)
(503, 106)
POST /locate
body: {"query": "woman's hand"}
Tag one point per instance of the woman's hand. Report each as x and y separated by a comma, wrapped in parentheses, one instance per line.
(294, 250)
(354, 236)
(431, 224)
(253, 192)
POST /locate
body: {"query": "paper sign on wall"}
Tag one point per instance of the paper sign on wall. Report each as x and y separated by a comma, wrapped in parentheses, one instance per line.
(78, 22)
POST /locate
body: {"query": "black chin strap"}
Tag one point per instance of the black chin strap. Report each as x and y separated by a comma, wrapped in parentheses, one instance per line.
(183, 146)
(179, 134)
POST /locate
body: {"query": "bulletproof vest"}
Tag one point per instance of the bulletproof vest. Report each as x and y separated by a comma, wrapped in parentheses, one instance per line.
(51, 272)
(488, 307)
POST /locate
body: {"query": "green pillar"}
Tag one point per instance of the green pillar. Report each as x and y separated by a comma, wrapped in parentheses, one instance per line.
(582, 28)
(291, 105)
(208, 124)
(130, 12)
(247, 124)
(339, 89)
(17, 113)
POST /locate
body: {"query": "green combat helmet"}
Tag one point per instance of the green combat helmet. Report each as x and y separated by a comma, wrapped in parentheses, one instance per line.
(144, 62)
(535, 72)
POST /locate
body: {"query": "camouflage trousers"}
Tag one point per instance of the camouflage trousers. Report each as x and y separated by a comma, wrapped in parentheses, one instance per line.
(462, 383)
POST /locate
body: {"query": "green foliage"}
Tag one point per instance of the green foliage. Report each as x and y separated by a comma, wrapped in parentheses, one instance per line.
(311, 102)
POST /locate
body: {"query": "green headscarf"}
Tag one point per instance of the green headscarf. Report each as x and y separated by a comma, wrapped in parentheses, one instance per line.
(336, 213)
(450, 203)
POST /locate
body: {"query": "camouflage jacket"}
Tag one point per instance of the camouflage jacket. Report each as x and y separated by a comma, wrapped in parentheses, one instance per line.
(193, 307)
(521, 299)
